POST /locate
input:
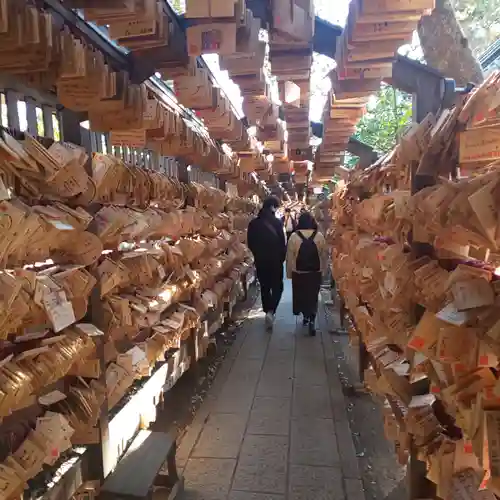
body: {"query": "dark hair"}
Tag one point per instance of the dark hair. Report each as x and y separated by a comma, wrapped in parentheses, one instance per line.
(306, 221)
(288, 210)
(271, 201)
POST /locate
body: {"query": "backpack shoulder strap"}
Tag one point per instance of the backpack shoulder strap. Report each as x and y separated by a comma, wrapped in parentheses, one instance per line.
(271, 227)
(313, 235)
(302, 237)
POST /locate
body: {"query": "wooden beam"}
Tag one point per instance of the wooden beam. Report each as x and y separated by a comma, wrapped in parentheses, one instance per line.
(367, 155)
(430, 88)
(325, 37)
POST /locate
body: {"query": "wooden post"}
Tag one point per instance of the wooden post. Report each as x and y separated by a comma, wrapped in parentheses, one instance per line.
(12, 99)
(182, 172)
(419, 487)
(48, 125)
(31, 118)
(97, 453)
(71, 131)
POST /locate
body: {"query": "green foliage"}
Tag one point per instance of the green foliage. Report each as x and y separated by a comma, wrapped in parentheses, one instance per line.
(178, 6)
(480, 20)
(386, 117)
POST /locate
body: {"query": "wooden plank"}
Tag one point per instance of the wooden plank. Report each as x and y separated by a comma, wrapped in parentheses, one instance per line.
(418, 484)
(71, 477)
(48, 125)
(98, 466)
(367, 155)
(41, 97)
(12, 98)
(182, 172)
(31, 117)
(373, 31)
(70, 127)
(366, 51)
(135, 475)
(345, 89)
(379, 6)
(430, 89)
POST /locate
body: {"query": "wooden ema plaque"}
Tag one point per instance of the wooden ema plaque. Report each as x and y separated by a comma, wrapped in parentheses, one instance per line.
(479, 144)
(293, 19)
(210, 9)
(300, 154)
(367, 32)
(367, 7)
(281, 167)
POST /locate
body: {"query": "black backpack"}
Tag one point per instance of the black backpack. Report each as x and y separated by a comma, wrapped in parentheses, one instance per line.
(308, 257)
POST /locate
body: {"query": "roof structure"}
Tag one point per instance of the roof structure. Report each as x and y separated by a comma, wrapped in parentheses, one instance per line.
(490, 55)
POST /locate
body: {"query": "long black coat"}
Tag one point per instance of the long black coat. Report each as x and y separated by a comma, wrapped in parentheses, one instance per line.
(266, 239)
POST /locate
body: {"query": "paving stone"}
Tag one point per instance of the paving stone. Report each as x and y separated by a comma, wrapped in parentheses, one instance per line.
(261, 477)
(315, 483)
(354, 489)
(239, 387)
(310, 372)
(262, 464)
(308, 347)
(221, 437)
(281, 341)
(235, 401)
(245, 369)
(271, 421)
(279, 388)
(277, 372)
(209, 473)
(247, 495)
(254, 347)
(202, 494)
(277, 356)
(278, 363)
(270, 415)
(272, 449)
(314, 442)
(311, 401)
(261, 423)
(271, 405)
(350, 464)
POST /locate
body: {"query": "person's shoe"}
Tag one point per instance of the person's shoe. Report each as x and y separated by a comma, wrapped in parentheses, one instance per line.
(312, 329)
(269, 320)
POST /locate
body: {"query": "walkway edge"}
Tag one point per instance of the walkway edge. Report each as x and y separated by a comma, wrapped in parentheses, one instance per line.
(353, 484)
(188, 441)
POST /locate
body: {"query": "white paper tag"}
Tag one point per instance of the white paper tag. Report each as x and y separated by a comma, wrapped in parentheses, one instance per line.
(38, 334)
(51, 398)
(4, 192)
(452, 315)
(59, 310)
(90, 329)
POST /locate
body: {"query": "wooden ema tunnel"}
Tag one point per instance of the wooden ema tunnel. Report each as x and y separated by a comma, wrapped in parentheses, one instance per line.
(152, 50)
(193, 81)
(411, 167)
(143, 121)
(365, 55)
(430, 89)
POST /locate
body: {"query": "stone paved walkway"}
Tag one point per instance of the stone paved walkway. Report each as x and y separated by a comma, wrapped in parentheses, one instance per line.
(274, 424)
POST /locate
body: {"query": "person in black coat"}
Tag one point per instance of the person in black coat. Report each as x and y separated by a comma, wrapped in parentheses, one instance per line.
(266, 240)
